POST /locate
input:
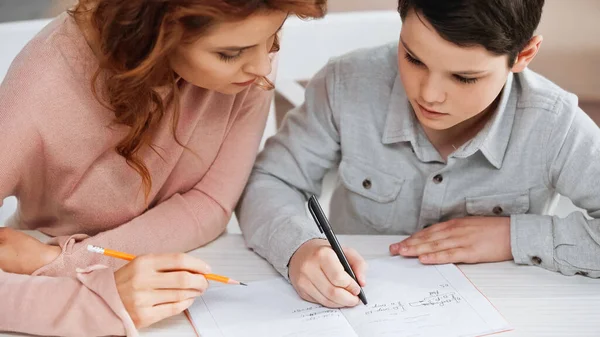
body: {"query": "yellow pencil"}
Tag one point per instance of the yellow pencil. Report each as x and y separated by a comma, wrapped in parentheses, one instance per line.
(129, 257)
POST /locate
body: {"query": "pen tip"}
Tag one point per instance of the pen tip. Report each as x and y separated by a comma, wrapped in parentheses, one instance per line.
(243, 284)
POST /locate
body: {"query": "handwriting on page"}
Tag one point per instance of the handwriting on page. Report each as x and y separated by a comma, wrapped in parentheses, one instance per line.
(316, 312)
(393, 308)
(413, 301)
(270, 308)
(437, 299)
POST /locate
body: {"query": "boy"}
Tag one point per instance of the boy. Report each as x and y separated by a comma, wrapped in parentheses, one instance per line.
(444, 136)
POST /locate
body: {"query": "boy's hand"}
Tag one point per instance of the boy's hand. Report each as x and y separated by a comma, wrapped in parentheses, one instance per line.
(318, 276)
(465, 240)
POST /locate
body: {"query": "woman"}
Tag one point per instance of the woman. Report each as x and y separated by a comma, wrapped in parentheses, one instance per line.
(131, 125)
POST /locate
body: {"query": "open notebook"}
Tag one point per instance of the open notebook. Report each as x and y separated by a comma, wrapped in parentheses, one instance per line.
(405, 298)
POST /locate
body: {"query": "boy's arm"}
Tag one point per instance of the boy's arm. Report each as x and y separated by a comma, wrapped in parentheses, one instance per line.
(272, 211)
(570, 245)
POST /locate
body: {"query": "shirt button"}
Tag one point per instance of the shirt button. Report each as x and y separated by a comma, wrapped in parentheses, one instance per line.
(498, 210)
(438, 179)
(367, 184)
(536, 260)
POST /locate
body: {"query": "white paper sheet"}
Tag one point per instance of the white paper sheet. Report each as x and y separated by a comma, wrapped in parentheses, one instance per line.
(405, 298)
(266, 308)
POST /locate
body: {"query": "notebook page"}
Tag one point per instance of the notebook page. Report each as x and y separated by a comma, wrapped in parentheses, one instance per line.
(265, 308)
(407, 298)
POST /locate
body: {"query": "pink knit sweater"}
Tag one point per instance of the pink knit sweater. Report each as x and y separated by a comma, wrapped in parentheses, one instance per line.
(57, 156)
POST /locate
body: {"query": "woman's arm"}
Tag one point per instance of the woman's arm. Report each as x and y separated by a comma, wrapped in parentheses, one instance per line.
(87, 305)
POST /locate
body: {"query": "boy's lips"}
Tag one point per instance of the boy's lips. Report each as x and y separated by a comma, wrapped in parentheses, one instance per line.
(431, 114)
(430, 111)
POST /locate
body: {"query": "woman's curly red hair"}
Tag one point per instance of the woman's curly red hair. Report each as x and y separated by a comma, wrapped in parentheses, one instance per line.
(135, 39)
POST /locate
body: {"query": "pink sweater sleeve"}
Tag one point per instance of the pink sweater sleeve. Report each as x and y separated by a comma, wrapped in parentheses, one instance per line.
(64, 306)
(184, 221)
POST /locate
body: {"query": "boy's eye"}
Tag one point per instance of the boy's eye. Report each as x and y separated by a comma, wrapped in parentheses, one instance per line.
(230, 58)
(461, 79)
(412, 60)
(465, 80)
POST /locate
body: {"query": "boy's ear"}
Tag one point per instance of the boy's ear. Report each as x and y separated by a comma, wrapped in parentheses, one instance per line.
(527, 54)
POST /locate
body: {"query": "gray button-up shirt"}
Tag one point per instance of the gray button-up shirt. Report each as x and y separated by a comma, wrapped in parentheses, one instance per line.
(357, 118)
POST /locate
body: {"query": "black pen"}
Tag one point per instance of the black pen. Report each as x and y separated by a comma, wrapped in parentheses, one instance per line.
(317, 213)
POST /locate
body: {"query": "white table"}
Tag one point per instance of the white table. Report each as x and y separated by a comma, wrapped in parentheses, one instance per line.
(535, 302)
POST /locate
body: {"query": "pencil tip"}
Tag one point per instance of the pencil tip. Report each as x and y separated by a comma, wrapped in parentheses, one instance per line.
(243, 284)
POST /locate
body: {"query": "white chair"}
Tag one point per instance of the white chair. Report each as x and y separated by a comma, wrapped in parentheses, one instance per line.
(306, 46)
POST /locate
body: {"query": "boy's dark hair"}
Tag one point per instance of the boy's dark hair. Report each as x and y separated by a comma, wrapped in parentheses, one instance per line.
(503, 27)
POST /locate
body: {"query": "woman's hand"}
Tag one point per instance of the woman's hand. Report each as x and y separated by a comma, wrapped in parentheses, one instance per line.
(23, 254)
(154, 287)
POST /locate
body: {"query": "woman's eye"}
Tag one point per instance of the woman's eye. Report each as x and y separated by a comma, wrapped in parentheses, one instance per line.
(230, 58)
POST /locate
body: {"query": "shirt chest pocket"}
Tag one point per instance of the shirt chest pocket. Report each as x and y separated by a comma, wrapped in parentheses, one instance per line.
(371, 194)
(498, 205)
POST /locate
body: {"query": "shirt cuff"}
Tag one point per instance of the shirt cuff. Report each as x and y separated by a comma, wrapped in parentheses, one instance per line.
(286, 239)
(532, 240)
(57, 266)
(101, 281)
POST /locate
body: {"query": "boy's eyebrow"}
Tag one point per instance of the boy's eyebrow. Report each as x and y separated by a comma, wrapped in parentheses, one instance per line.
(465, 72)
(469, 72)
